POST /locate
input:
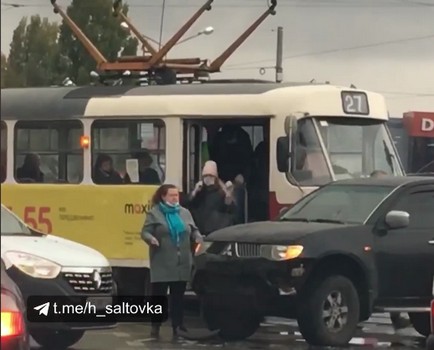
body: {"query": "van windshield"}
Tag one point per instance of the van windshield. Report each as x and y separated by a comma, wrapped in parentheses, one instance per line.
(10, 225)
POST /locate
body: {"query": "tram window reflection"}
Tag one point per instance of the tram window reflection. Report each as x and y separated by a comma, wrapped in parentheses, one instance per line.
(310, 166)
(116, 141)
(47, 152)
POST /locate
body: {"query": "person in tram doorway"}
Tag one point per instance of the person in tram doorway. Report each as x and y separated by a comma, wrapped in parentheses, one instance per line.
(30, 170)
(212, 202)
(169, 230)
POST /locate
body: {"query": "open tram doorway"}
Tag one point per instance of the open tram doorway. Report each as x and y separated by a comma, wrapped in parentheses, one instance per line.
(239, 147)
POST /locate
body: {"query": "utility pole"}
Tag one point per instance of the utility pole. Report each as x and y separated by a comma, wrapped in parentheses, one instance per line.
(279, 55)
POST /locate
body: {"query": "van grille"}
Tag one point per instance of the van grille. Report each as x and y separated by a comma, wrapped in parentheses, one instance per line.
(248, 250)
(90, 282)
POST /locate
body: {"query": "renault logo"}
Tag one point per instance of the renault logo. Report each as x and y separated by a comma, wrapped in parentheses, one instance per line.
(97, 280)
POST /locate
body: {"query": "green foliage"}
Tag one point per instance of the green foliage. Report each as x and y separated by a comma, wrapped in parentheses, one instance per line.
(43, 53)
(4, 68)
(96, 21)
(34, 54)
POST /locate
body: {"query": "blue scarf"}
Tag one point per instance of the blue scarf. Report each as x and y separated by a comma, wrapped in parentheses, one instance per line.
(174, 221)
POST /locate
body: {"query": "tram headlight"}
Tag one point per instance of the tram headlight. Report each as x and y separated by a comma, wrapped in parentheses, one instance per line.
(33, 265)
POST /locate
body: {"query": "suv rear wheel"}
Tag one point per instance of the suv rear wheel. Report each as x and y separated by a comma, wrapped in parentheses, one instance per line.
(421, 322)
(329, 312)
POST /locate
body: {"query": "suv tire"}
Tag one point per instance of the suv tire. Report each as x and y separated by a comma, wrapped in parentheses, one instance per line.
(236, 323)
(329, 312)
(56, 340)
(421, 322)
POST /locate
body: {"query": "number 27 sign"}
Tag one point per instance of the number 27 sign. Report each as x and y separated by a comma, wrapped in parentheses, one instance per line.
(37, 217)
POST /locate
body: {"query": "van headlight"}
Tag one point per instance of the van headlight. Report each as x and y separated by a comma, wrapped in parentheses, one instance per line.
(33, 265)
(284, 252)
(201, 248)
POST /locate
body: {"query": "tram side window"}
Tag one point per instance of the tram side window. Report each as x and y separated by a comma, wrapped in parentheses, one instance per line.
(309, 163)
(48, 152)
(3, 155)
(116, 141)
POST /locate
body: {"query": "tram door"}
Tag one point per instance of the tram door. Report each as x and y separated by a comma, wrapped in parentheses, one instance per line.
(195, 154)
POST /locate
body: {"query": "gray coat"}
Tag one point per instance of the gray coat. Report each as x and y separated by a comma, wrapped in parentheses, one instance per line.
(169, 263)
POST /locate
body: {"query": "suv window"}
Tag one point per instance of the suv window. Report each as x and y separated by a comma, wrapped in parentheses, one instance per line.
(420, 206)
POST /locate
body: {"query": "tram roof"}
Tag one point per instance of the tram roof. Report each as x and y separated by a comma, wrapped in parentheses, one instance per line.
(71, 102)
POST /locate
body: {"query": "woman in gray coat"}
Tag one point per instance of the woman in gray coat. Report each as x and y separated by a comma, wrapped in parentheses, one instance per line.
(169, 230)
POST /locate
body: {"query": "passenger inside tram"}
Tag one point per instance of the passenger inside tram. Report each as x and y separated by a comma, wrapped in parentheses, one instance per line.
(30, 171)
(232, 150)
(104, 172)
(147, 175)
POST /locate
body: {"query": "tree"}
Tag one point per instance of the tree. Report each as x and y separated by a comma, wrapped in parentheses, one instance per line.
(14, 76)
(4, 69)
(34, 58)
(96, 21)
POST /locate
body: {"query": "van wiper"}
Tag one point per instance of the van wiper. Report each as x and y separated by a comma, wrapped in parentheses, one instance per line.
(295, 219)
(330, 221)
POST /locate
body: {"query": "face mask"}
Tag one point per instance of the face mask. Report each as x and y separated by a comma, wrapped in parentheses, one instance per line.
(208, 180)
(172, 204)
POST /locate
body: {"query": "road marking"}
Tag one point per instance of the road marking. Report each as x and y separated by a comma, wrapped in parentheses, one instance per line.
(139, 342)
(121, 334)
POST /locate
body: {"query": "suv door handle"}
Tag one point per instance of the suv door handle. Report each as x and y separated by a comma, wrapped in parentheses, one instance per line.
(431, 241)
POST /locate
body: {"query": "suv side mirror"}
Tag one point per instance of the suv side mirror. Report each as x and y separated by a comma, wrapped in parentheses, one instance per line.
(396, 219)
(283, 154)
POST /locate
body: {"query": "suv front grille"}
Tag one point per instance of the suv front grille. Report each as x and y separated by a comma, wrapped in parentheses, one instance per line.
(248, 250)
(90, 281)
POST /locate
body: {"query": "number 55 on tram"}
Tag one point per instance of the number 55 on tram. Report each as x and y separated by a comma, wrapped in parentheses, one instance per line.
(284, 139)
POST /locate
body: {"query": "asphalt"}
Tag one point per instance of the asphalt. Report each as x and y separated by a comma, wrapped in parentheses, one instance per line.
(274, 334)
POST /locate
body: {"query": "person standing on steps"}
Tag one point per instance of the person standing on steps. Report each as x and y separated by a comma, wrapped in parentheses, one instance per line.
(169, 230)
(212, 202)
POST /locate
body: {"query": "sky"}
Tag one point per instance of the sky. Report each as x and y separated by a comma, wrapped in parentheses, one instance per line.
(385, 46)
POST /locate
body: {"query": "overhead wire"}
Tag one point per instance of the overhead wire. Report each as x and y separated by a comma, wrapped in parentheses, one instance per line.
(329, 51)
(250, 4)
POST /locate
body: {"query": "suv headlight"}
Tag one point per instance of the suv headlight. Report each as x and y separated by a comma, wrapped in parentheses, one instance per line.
(283, 252)
(33, 265)
(201, 248)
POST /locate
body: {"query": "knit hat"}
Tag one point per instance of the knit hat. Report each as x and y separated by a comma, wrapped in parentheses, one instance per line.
(210, 168)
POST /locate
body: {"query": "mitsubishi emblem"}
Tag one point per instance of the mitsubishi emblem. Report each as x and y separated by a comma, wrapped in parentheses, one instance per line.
(97, 280)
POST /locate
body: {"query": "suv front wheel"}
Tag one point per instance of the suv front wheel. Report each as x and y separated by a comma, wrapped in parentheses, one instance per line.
(329, 311)
(56, 340)
(234, 322)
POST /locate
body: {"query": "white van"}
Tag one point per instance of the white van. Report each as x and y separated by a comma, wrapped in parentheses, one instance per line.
(42, 264)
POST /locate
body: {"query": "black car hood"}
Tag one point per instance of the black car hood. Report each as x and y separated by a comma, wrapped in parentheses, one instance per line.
(270, 232)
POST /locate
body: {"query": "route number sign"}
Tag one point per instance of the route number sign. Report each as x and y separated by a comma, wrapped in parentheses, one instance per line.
(355, 103)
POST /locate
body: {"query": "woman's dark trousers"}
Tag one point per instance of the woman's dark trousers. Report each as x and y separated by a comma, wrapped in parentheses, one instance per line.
(176, 300)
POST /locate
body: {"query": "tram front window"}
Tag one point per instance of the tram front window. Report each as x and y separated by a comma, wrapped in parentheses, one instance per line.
(356, 147)
(341, 148)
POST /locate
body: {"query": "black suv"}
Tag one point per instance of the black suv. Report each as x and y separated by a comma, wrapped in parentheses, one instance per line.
(346, 250)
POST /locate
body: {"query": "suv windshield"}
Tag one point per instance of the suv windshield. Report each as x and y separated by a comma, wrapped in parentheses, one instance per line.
(338, 203)
(10, 225)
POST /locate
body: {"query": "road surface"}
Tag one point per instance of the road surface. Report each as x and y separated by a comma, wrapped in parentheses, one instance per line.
(275, 334)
